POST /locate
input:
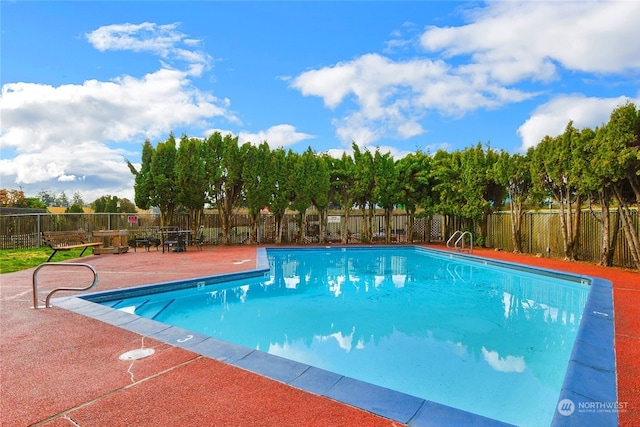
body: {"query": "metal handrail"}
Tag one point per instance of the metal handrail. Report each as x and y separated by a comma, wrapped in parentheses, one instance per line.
(452, 237)
(461, 240)
(64, 264)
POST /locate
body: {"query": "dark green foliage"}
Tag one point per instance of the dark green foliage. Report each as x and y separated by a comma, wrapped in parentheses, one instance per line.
(143, 186)
(74, 208)
(557, 167)
(513, 172)
(163, 173)
(415, 179)
(259, 182)
(191, 179)
(34, 203)
(386, 191)
(224, 162)
(363, 188)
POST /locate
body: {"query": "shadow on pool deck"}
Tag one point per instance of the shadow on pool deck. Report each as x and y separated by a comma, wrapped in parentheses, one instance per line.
(63, 369)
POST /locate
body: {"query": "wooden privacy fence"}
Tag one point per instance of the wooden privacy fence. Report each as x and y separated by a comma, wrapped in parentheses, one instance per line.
(542, 235)
(541, 230)
(24, 231)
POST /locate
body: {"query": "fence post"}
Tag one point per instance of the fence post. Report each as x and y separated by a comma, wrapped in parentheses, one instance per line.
(530, 215)
(38, 227)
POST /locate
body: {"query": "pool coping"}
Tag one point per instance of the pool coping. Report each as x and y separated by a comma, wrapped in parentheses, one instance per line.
(588, 390)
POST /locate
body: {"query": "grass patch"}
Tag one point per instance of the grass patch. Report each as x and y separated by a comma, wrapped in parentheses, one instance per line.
(12, 260)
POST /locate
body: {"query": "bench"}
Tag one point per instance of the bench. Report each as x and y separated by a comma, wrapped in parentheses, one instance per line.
(67, 240)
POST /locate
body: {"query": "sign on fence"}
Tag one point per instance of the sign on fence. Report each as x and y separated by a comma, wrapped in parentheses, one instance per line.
(133, 219)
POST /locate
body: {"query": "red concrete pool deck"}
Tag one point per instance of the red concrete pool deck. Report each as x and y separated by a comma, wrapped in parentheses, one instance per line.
(59, 368)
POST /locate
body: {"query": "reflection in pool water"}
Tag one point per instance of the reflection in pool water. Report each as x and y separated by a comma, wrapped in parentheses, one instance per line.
(486, 339)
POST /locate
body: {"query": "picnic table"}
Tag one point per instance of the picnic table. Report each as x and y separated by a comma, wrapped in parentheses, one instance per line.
(112, 241)
(174, 239)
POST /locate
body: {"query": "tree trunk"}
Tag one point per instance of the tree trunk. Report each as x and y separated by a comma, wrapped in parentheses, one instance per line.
(224, 210)
(279, 218)
(448, 227)
(517, 216)
(345, 233)
(410, 224)
(387, 224)
(484, 227)
(565, 225)
(253, 237)
(322, 235)
(166, 216)
(629, 231)
(605, 248)
(608, 236)
(575, 235)
(614, 240)
(363, 227)
(195, 217)
(570, 224)
(370, 214)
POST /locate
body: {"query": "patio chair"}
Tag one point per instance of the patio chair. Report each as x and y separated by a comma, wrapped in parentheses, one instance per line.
(149, 236)
(170, 238)
(199, 240)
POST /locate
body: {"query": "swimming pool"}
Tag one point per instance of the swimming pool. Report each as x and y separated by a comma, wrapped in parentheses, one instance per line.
(439, 339)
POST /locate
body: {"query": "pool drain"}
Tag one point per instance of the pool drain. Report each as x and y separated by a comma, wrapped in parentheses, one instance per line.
(139, 353)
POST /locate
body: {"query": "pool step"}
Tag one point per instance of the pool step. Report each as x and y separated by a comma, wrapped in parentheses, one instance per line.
(149, 309)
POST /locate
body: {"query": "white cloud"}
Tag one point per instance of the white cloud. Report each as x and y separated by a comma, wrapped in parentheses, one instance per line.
(37, 115)
(159, 39)
(504, 364)
(277, 136)
(552, 117)
(282, 135)
(63, 134)
(480, 65)
(513, 41)
(162, 40)
(91, 167)
(433, 148)
(393, 96)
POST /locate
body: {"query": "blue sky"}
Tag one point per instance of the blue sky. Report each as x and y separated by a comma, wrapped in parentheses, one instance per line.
(85, 83)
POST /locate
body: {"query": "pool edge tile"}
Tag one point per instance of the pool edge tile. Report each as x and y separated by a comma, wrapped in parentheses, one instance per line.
(271, 366)
(591, 378)
(220, 350)
(375, 399)
(179, 337)
(433, 414)
(316, 380)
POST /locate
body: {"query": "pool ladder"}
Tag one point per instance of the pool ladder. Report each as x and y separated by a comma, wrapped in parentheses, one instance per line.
(458, 239)
(63, 264)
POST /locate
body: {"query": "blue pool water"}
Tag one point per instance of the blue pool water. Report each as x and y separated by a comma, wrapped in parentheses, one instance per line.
(475, 336)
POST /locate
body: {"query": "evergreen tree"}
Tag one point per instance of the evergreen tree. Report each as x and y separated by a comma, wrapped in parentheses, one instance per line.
(163, 173)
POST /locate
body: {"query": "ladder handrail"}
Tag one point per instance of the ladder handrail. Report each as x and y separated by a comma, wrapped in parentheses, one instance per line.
(452, 236)
(460, 240)
(63, 264)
